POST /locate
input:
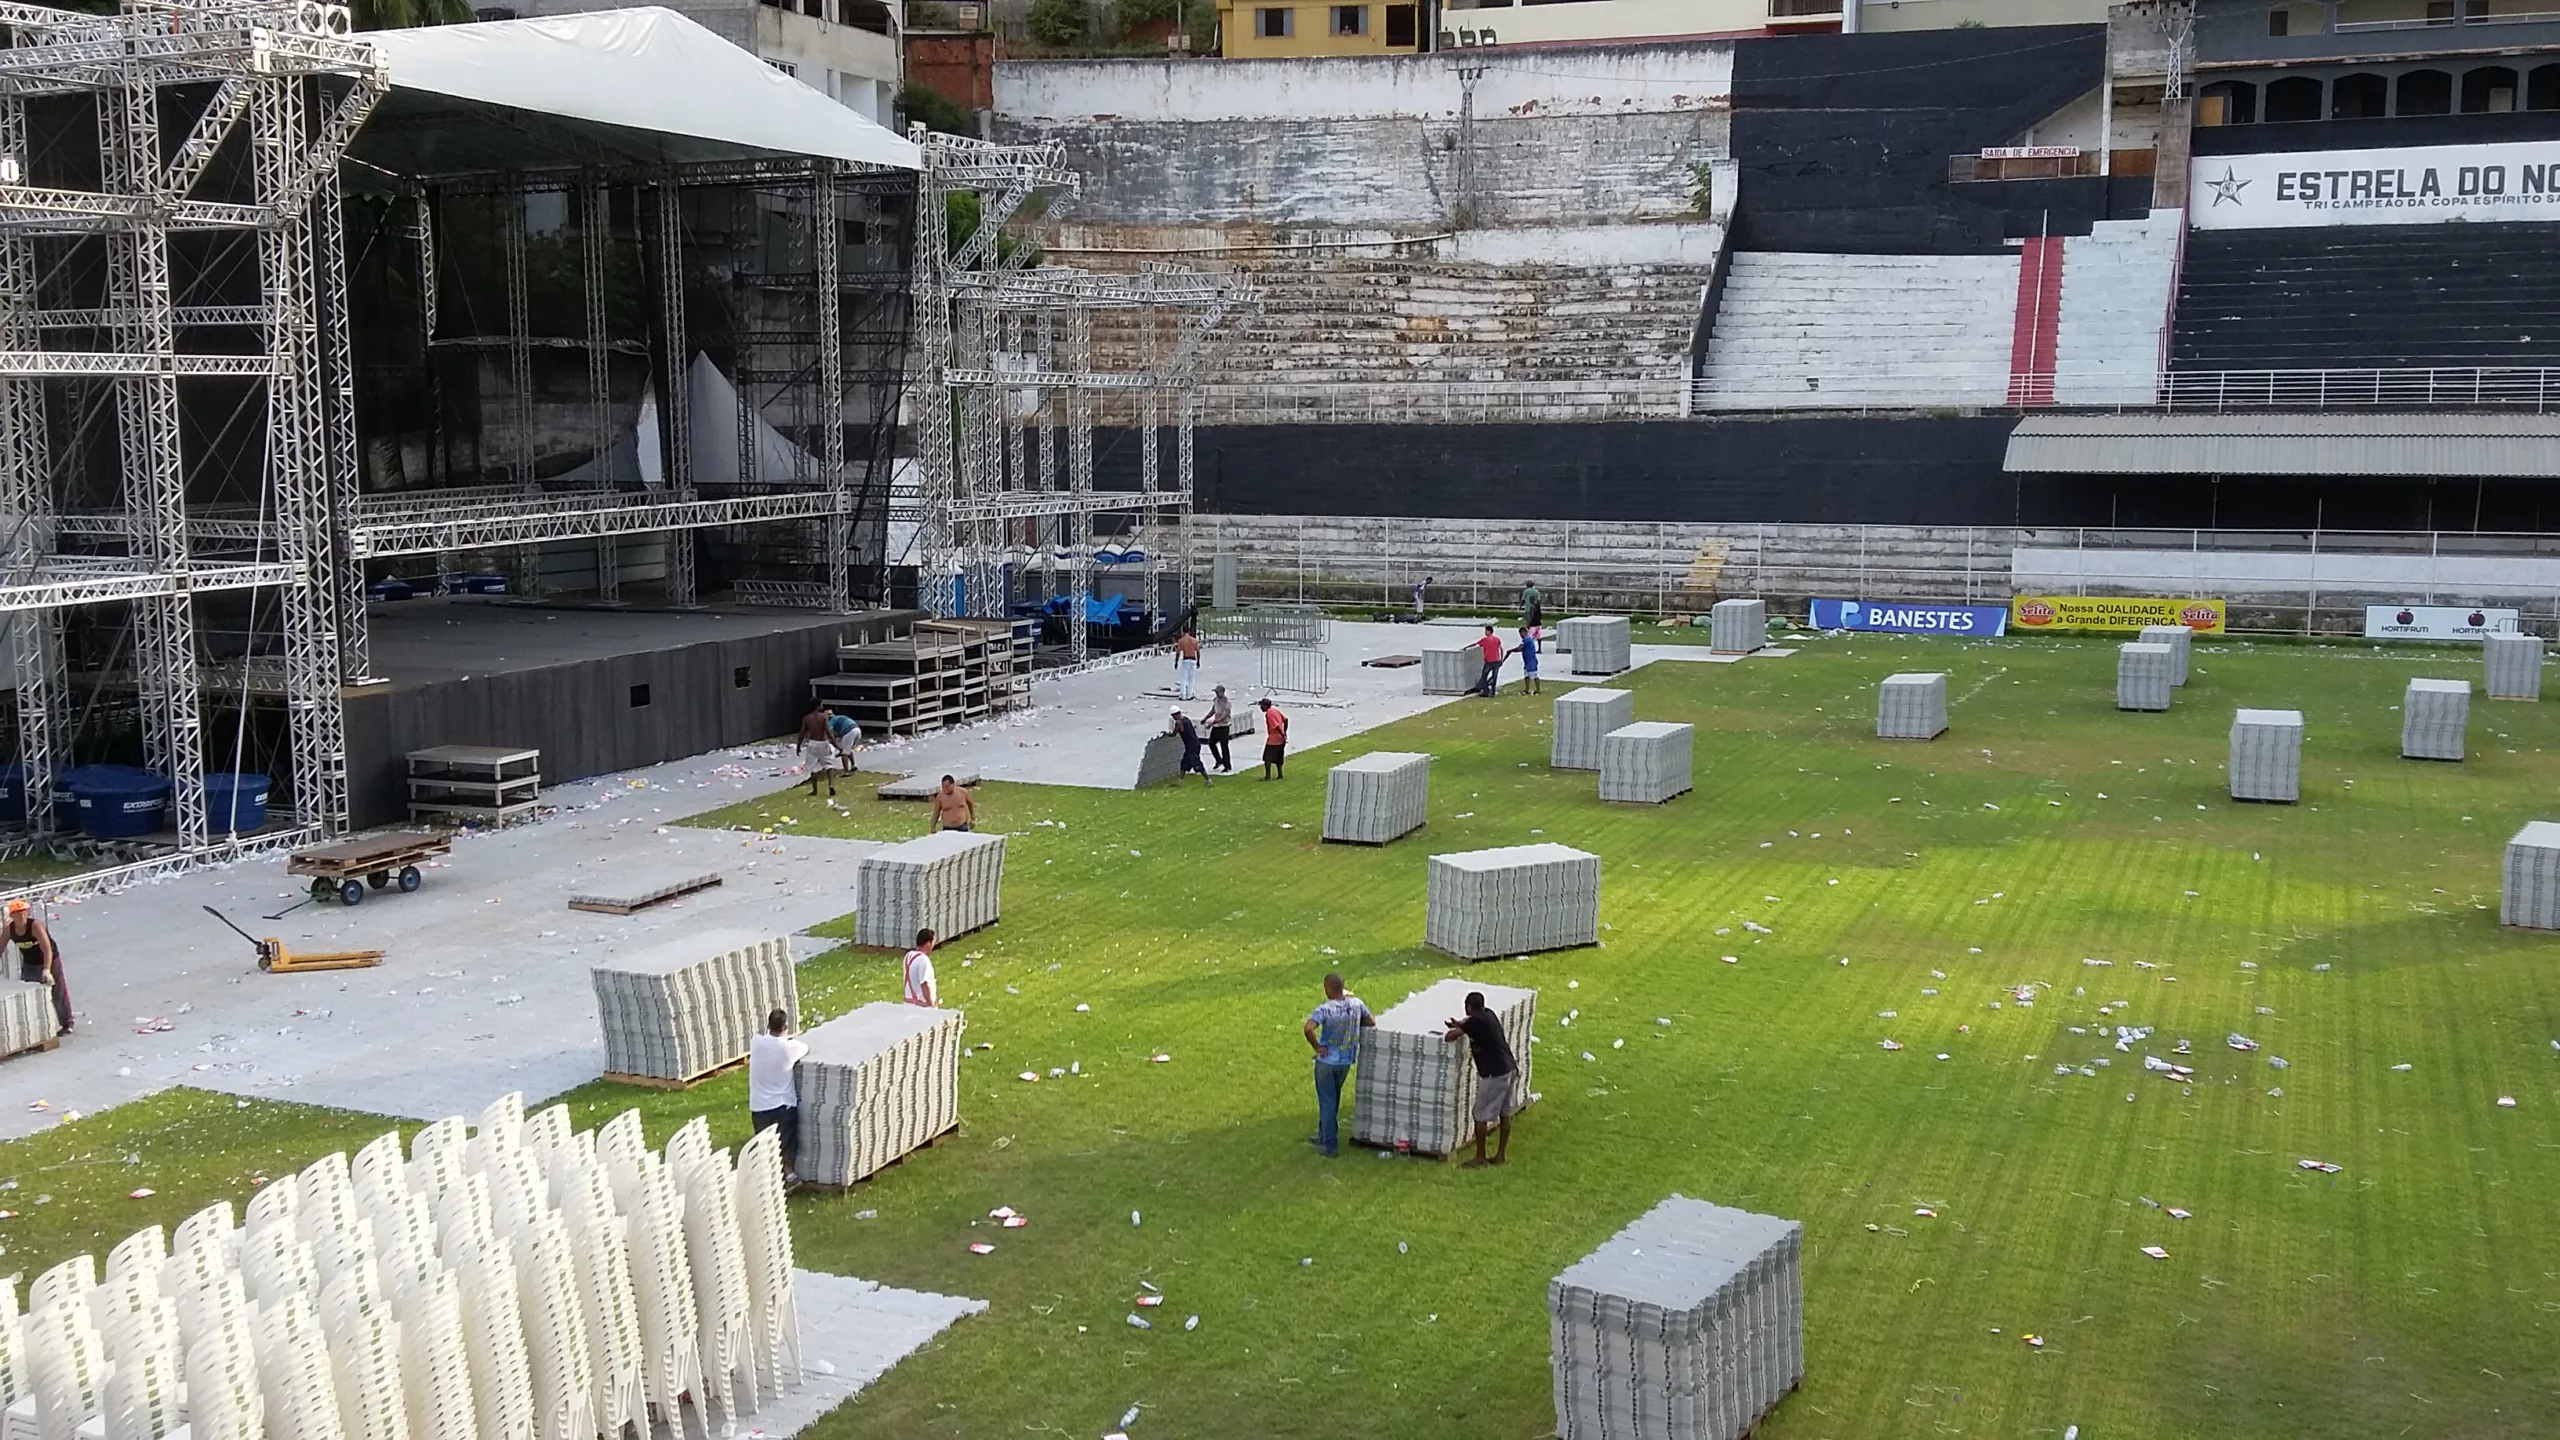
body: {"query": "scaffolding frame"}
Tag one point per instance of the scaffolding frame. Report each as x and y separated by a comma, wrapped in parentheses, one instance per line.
(1010, 379)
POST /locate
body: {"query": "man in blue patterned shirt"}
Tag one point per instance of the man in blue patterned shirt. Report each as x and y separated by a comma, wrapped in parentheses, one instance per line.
(1333, 1031)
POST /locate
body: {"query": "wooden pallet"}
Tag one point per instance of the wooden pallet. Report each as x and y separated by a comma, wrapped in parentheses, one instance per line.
(36, 1049)
(661, 1082)
(602, 905)
(812, 1187)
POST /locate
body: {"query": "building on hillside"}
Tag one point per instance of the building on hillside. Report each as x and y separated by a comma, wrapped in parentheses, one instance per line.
(2467, 70)
(1283, 30)
(846, 50)
(1470, 23)
(956, 61)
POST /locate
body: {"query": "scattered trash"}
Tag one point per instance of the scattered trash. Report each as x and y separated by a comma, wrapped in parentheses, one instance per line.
(2155, 1252)
(2323, 1166)
(1133, 1219)
(1890, 1044)
(1148, 1302)
(2278, 1062)
(1925, 1213)
(1191, 1324)
(1083, 1009)
(2403, 1065)
(1136, 1320)
(2177, 1214)
(2240, 1042)
(1031, 1075)
(982, 1248)
(2036, 1340)
(2505, 1102)
(146, 1192)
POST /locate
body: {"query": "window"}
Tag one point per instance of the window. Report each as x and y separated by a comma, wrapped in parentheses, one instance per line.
(2542, 88)
(2439, 12)
(639, 697)
(743, 678)
(785, 66)
(2359, 97)
(2489, 90)
(2280, 21)
(1275, 23)
(1400, 27)
(2228, 102)
(1350, 19)
(2296, 97)
(2425, 92)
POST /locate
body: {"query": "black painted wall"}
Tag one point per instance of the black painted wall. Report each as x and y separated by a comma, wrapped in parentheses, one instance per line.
(2288, 502)
(1843, 140)
(1914, 470)
(2515, 127)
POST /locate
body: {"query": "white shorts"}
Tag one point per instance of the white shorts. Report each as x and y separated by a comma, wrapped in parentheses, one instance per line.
(817, 755)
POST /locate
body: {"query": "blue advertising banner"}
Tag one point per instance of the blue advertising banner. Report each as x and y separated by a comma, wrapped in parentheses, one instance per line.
(1911, 617)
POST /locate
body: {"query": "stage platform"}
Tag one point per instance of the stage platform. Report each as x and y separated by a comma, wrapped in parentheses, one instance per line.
(595, 689)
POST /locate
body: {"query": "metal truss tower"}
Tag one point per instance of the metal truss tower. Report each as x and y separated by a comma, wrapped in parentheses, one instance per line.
(1012, 372)
(172, 87)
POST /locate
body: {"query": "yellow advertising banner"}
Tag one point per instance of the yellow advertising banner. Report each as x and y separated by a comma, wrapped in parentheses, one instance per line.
(2117, 613)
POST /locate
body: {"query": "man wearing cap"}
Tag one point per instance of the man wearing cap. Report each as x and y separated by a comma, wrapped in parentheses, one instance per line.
(39, 959)
(1189, 734)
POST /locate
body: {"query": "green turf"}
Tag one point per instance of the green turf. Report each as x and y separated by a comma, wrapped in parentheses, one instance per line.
(2411, 1293)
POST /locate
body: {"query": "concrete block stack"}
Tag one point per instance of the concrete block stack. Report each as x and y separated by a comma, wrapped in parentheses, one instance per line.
(2531, 897)
(951, 882)
(2266, 755)
(1377, 797)
(1159, 764)
(1582, 718)
(682, 1010)
(1599, 644)
(876, 1084)
(2143, 676)
(1737, 627)
(1417, 1090)
(26, 1015)
(1911, 707)
(1512, 900)
(2182, 646)
(1686, 1325)
(1451, 669)
(1647, 762)
(2514, 663)
(2433, 716)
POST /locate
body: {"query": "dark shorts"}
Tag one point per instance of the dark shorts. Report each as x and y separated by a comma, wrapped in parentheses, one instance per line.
(1271, 753)
(963, 828)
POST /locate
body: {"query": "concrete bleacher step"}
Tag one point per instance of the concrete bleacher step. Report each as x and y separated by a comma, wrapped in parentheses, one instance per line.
(1812, 331)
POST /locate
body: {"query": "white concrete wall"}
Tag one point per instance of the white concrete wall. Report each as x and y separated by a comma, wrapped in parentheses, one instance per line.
(1599, 80)
(1591, 20)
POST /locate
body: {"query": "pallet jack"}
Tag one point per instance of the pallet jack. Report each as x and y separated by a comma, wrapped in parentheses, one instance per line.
(277, 960)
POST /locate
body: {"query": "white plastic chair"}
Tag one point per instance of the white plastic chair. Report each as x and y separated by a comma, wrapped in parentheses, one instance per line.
(493, 1334)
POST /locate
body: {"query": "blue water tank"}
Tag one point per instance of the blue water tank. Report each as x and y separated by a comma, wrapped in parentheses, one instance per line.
(119, 802)
(235, 803)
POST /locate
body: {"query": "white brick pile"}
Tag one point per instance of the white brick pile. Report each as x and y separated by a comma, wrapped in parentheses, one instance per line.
(1377, 797)
(2182, 646)
(2433, 716)
(2266, 755)
(876, 1084)
(950, 882)
(1416, 1089)
(1511, 901)
(2531, 897)
(1911, 707)
(1647, 762)
(2144, 675)
(1582, 718)
(1737, 627)
(26, 1015)
(1161, 762)
(1686, 1325)
(683, 1009)
(1599, 644)
(1451, 670)
(2514, 665)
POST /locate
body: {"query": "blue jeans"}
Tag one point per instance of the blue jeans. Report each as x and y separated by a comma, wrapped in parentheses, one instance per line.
(1329, 1080)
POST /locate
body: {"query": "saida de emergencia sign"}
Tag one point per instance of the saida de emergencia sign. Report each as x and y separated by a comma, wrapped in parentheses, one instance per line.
(2417, 185)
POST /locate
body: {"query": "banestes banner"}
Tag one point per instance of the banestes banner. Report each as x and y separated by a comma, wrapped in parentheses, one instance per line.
(1910, 617)
(2113, 613)
(2419, 185)
(2435, 622)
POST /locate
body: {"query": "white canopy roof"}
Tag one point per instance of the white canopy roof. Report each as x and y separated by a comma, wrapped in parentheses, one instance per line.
(648, 71)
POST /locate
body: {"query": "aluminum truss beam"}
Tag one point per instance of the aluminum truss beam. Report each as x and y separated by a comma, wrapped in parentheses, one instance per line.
(578, 517)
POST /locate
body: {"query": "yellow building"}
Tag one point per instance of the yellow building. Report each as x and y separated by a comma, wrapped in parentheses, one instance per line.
(1278, 29)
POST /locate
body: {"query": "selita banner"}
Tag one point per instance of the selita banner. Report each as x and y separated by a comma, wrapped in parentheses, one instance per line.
(2114, 613)
(2418, 185)
(1910, 617)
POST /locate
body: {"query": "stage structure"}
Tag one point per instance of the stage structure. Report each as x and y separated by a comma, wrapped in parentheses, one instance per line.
(617, 285)
(1017, 365)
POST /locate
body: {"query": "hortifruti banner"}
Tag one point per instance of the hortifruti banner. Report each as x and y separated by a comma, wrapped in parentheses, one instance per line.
(2119, 613)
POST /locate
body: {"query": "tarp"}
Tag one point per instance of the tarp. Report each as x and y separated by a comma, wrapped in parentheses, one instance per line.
(647, 70)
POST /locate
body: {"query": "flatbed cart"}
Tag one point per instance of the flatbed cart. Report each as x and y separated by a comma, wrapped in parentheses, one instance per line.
(345, 868)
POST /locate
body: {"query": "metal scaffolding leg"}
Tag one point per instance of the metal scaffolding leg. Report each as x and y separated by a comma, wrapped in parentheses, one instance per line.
(826, 233)
(26, 505)
(519, 366)
(676, 404)
(595, 225)
(351, 622)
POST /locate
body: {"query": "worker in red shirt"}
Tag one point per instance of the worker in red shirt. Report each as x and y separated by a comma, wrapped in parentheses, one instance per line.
(1490, 647)
(1275, 738)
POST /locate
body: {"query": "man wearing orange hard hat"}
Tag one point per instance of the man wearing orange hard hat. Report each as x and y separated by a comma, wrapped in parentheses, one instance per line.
(39, 959)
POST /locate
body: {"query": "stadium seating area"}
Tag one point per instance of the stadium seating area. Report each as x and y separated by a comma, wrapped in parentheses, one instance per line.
(2386, 296)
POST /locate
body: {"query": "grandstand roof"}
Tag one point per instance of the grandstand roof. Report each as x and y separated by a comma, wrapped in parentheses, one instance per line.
(2522, 446)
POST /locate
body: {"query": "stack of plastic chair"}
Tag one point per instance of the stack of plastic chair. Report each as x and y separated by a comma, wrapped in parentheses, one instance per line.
(294, 1373)
(139, 1253)
(620, 1144)
(435, 1170)
(493, 1335)
(223, 1398)
(13, 1358)
(688, 1147)
(275, 1265)
(354, 1290)
(406, 1221)
(549, 1128)
(449, 1133)
(205, 1305)
(135, 1319)
(764, 1239)
(723, 1310)
(379, 1164)
(364, 1357)
(519, 1192)
(67, 1365)
(598, 1236)
(329, 1203)
(280, 1199)
(211, 1227)
(435, 1363)
(557, 1350)
(662, 1283)
(334, 1252)
(146, 1395)
(67, 1283)
(463, 1220)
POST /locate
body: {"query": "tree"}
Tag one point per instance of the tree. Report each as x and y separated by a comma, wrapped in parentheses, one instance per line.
(936, 111)
(409, 14)
(1128, 16)
(1059, 23)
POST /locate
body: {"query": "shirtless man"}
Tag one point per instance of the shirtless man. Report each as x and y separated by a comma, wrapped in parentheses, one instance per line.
(39, 959)
(953, 808)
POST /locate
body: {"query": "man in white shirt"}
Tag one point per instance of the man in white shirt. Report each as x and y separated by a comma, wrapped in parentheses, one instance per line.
(773, 1086)
(920, 989)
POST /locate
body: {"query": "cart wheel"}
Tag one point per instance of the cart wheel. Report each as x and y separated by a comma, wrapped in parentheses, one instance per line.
(379, 879)
(410, 879)
(352, 892)
(322, 888)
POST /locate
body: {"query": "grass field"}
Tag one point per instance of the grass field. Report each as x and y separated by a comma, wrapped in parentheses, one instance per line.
(2417, 1291)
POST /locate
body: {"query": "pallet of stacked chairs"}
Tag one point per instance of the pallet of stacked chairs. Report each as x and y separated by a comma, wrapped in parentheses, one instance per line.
(1738, 627)
(876, 1084)
(1513, 900)
(2266, 755)
(2434, 714)
(2513, 661)
(1451, 669)
(2143, 675)
(2182, 648)
(1416, 1090)
(1912, 707)
(27, 1019)
(505, 1278)
(1377, 797)
(677, 1012)
(1599, 644)
(1647, 762)
(1582, 718)
(1686, 1325)
(950, 882)
(2531, 896)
